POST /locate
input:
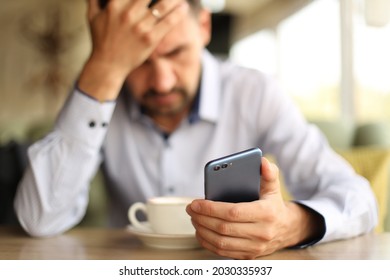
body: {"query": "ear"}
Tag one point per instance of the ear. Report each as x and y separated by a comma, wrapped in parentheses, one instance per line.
(204, 18)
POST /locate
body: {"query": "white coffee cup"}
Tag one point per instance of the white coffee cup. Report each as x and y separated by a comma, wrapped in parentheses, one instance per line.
(165, 215)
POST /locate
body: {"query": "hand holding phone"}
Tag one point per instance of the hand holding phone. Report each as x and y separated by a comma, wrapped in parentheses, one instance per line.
(234, 178)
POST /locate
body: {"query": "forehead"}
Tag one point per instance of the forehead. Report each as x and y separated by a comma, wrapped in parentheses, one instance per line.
(185, 32)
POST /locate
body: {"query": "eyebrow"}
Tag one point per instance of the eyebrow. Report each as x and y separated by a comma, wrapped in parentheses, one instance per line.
(171, 52)
(175, 50)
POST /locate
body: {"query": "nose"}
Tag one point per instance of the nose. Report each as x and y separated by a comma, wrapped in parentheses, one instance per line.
(163, 76)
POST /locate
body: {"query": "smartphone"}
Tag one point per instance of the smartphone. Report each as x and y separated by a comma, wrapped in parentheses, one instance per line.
(234, 178)
(103, 3)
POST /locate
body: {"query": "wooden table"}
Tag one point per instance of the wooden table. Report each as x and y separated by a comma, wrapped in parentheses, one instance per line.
(120, 244)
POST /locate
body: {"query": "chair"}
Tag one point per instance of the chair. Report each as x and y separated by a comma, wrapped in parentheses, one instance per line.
(373, 134)
(13, 161)
(373, 163)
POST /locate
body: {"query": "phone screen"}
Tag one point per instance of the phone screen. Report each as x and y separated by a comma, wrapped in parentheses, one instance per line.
(234, 178)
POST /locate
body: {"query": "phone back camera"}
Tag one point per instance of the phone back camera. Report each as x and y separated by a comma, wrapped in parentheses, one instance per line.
(224, 165)
(217, 167)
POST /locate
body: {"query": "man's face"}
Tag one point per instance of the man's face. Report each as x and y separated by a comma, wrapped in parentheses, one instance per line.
(167, 82)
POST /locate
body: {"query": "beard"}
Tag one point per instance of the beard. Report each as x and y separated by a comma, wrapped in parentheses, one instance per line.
(152, 102)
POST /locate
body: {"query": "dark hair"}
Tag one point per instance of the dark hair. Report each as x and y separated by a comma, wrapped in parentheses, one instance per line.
(196, 5)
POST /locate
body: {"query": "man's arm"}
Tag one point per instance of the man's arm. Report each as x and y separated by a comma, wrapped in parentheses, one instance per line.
(331, 200)
(53, 195)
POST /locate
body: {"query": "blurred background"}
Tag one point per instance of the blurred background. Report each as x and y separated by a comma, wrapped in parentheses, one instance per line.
(331, 56)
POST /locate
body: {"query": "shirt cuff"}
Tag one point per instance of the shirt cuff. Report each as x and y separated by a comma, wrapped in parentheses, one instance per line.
(319, 237)
(89, 96)
(85, 119)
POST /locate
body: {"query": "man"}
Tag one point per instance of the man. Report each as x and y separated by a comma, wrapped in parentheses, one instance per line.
(154, 107)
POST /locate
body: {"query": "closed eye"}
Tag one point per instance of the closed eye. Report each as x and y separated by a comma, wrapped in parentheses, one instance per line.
(175, 52)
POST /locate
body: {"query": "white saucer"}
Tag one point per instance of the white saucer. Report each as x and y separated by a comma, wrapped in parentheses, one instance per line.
(164, 241)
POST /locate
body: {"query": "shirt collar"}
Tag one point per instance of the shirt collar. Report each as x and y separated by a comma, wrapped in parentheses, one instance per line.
(194, 113)
(206, 103)
(210, 88)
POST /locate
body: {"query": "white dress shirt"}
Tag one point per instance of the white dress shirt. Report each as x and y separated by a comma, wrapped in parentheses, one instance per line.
(237, 109)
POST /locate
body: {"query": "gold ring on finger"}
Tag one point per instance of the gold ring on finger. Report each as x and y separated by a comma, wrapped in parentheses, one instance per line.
(156, 13)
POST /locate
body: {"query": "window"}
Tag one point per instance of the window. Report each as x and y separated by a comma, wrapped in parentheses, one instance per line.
(305, 52)
(310, 59)
(372, 64)
(258, 51)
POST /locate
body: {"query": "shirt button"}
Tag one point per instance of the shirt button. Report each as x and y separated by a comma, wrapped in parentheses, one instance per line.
(92, 124)
(104, 124)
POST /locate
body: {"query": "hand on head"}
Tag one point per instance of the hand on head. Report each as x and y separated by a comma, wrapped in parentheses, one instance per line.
(124, 35)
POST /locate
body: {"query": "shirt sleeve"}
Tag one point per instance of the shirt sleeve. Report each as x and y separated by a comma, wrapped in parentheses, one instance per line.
(52, 196)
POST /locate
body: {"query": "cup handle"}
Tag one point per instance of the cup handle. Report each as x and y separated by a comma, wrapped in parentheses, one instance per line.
(138, 206)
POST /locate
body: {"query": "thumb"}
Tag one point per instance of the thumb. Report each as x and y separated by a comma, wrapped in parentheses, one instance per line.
(270, 184)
